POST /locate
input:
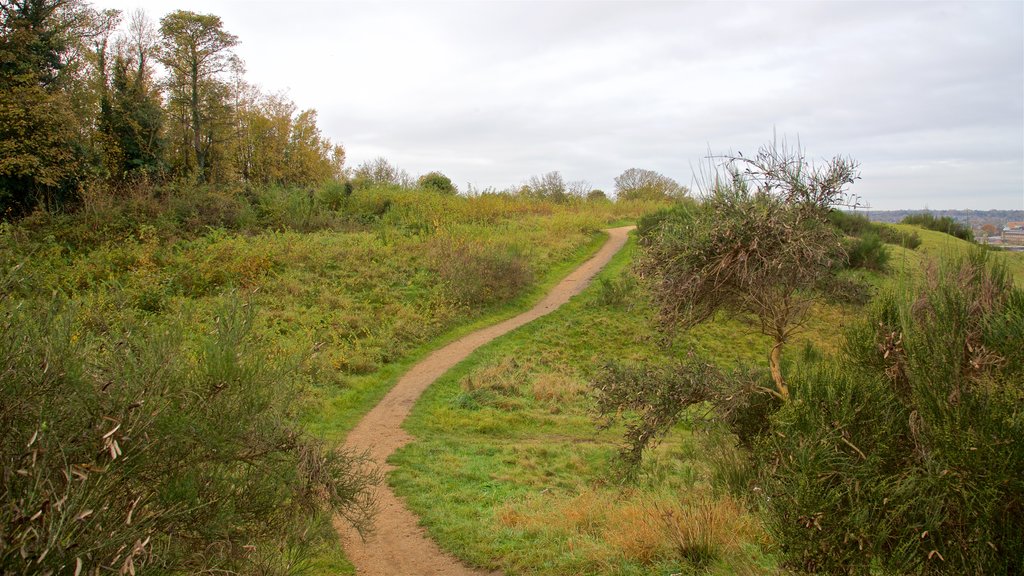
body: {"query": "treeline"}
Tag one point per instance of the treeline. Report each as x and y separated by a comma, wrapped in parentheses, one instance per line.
(95, 99)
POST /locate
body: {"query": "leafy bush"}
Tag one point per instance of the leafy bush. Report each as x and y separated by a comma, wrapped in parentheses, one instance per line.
(853, 224)
(945, 224)
(137, 452)
(905, 238)
(437, 182)
(867, 252)
(476, 274)
(909, 455)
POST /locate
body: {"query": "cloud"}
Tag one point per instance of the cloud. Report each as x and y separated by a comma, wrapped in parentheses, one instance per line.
(928, 96)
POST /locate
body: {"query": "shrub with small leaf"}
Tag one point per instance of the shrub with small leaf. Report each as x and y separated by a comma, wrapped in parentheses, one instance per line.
(908, 455)
(137, 452)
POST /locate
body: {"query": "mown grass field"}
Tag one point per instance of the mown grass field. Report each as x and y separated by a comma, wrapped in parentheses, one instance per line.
(511, 471)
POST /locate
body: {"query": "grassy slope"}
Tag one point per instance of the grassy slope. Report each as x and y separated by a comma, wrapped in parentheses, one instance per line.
(937, 245)
(350, 307)
(510, 472)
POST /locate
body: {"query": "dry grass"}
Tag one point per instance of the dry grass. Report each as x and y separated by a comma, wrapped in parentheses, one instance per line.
(696, 529)
(506, 375)
(556, 387)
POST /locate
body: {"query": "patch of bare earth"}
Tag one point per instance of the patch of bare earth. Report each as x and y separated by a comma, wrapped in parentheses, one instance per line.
(399, 545)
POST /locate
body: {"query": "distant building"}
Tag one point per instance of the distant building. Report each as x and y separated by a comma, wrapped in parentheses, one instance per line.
(1013, 233)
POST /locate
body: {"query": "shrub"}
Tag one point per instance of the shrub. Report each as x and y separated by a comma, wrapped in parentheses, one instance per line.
(944, 224)
(909, 455)
(905, 238)
(332, 194)
(851, 223)
(867, 252)
(476, 274)
(134, 451)
(437, 182)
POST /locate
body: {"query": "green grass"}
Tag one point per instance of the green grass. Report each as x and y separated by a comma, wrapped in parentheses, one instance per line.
(342, 305)
(939, 245)
(509, 470)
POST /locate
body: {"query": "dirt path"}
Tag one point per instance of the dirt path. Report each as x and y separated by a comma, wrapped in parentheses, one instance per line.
(399, 546)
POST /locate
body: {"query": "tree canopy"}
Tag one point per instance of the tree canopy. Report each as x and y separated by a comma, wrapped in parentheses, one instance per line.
(640, 184)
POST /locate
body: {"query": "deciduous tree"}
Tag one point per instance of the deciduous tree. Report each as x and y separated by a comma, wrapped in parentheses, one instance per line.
(197, 52)
(640, 184)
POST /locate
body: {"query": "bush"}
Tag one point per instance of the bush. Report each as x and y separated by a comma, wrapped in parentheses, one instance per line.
(907, 239)
(909, 455)
(944, 224)
(851, 223)
(437, 182)
(134, 452)
(478, 275)
(867, 252)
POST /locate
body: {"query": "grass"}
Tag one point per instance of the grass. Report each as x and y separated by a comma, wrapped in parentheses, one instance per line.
(509, 470)
(343, 301)
(939, 245)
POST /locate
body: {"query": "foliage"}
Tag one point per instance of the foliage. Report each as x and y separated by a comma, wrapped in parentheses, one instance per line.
(42, 152)
(138, 451)
(907, 454)
(868, 252)
(477, 273)
(757, 244)
(655, 396)
(854, 224)
(640, 184)
(82, 107)
(944, 224)
(438, 182)
(550, 186)
(378, 173)
(197, 52)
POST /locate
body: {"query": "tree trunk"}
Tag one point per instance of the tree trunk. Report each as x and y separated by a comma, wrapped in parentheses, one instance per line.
(775, 362)
(197, 142)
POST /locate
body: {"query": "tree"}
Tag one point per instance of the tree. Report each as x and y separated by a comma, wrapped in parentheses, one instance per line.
(550, 186)
(757, 245)
(640, 184)
(41, 144)
(438, 182)
(311, 159)
(196, 50)
(378, 172)
(131, 116)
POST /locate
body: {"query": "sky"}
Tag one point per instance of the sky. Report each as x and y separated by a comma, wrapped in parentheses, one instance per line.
(927, 96)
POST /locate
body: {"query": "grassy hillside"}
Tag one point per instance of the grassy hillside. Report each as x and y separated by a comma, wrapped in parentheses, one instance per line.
(302, 310)
(511, 472)
(938, 245)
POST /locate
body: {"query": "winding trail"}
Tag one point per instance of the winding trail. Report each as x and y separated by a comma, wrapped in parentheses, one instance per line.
(399, 546)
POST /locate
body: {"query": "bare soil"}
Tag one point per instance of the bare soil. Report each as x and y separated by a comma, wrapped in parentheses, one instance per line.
(398, 544)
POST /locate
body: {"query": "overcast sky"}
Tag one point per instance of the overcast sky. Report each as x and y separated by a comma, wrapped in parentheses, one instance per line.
(929, 97)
